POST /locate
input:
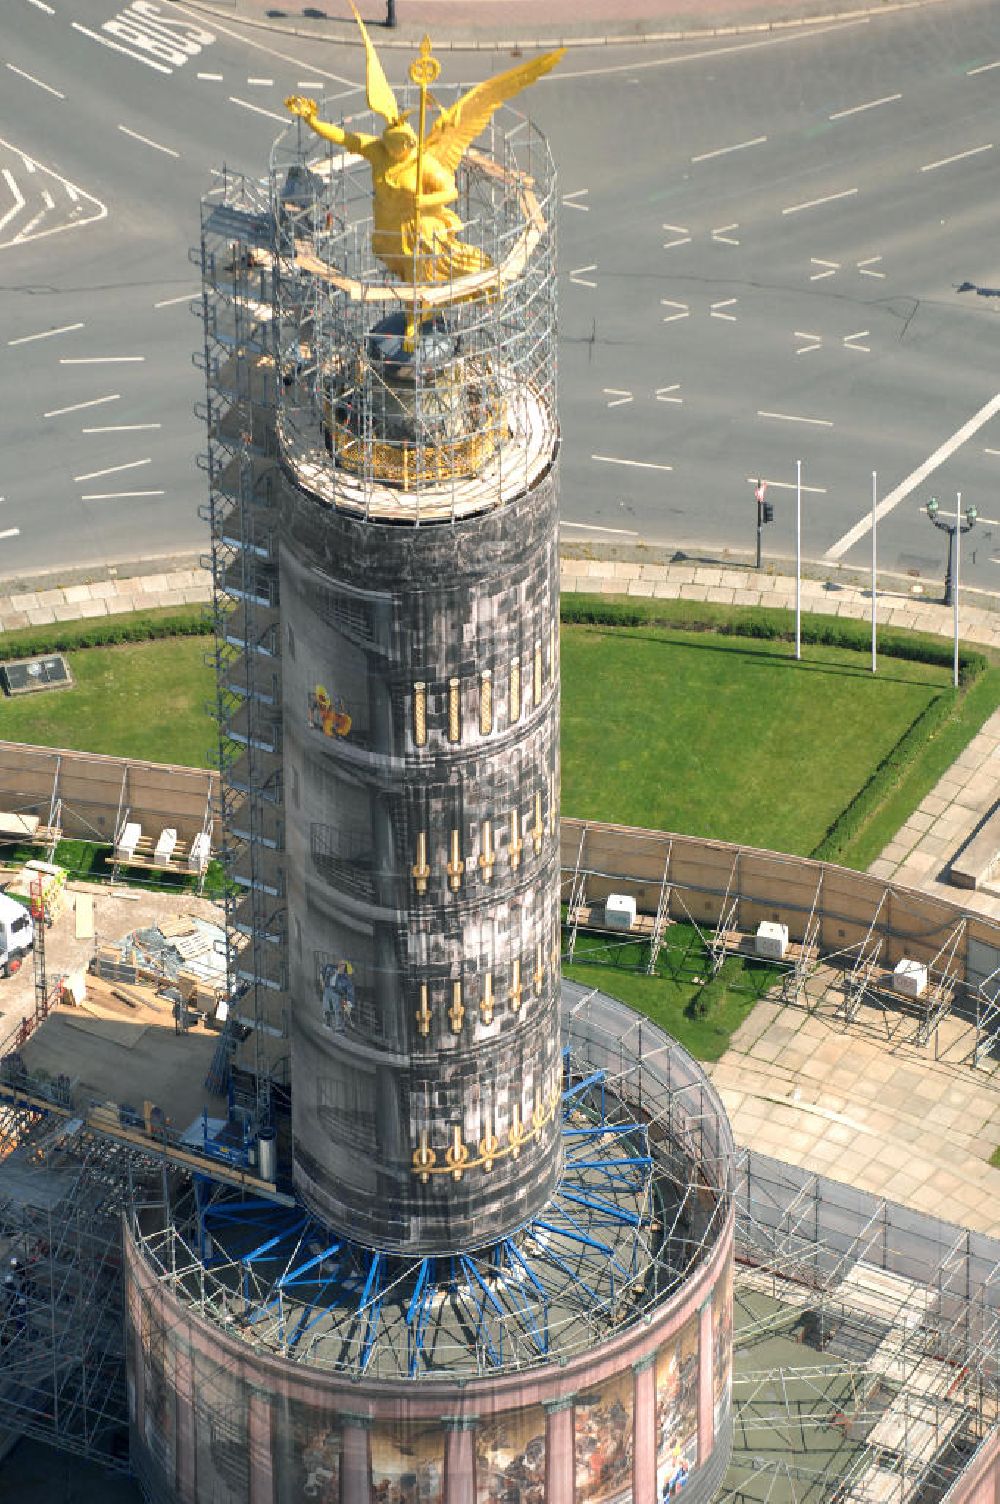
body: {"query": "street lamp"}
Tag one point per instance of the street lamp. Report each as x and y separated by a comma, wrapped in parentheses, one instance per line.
(951, 524)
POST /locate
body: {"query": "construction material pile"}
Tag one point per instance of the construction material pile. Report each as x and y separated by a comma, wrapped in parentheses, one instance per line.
(183, 958)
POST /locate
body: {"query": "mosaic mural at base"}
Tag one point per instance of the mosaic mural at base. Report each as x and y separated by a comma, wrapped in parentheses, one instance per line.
(510, 1458)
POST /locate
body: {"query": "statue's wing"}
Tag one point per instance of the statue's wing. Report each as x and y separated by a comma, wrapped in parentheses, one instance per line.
(458, 126)
(381, 99)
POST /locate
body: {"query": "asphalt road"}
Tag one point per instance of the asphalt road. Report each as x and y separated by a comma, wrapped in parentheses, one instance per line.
(762, 243)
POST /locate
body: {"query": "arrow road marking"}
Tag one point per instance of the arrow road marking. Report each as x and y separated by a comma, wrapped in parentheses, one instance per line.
(725, 303)
(18, 197)
(568, 198)
(834, 266)
(681, 236)
(861, 334)
(721, 236)
(662, 393)
(669, 303)
(619, 396)
(863, 267)
(804, 349)
(579, 279)
(91, 209)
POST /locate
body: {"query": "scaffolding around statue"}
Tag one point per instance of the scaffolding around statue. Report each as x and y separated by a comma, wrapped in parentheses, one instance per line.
(432, 399)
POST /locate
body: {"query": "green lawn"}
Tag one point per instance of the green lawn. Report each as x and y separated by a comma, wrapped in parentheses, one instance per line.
(670, 997)
(148, 700)
(727, 737)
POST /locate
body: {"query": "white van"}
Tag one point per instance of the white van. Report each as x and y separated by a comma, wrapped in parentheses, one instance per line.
(17, 934)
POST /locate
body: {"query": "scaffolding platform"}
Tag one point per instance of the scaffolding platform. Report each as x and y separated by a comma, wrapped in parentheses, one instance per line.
(590, 917)
(738, 943)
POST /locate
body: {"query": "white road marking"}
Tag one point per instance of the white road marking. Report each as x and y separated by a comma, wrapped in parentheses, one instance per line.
(861, 334)
(101, 210)
(47, 199)
(167, 150)
(863, 267)
(915, 478)
(792, 418)
(593, 527)
(122, 428)
(669, 303)
(117, 47)
(784, 485)
(579, 279)
(725, 303)
(814, 203)
(118, 495)
(991, 451)
(262, 82)
(817, 340)
(113, 470)
(973, 151)
(258, 110)
(183, 298)
(11, 182)
(663, 393)
(568, 200)
(36, 81)
(11, 532)
(680, 234)
(214, 78)
(100, 360)
(317, 83)
(871, 105)
(721, 236)
(834, 267)
(77, 407)
(27, 339)
(695, 57)
(722, 151)
(619, 396)
(985, 68)
(607, 459)
(36, 220)
(41, 5)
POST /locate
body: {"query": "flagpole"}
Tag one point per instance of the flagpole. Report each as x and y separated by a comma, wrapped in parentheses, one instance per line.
(874, 574)
(798, 558)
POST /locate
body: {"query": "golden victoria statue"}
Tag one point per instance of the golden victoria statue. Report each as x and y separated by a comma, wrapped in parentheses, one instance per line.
(415, 233)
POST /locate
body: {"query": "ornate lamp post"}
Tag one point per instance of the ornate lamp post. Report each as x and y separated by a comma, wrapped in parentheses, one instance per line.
(951, 523)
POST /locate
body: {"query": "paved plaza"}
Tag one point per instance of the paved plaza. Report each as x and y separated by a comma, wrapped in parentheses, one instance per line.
(912, 1123)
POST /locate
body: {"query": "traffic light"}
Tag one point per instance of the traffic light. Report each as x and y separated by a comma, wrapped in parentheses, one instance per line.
(767, 511)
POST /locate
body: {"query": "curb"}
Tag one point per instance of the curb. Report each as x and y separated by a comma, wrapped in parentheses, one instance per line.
(612, 39)
(570, 551)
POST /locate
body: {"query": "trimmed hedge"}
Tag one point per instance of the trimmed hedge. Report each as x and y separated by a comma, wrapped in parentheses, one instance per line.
(855, 815)
(772, 624)
(778, 624)
(104, 631)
